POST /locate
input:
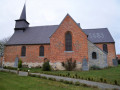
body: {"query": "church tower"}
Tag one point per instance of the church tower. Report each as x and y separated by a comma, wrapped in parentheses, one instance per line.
(22, 24)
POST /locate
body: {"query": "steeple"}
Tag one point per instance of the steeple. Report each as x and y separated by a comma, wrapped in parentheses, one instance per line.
(23, 14)
(22, 24)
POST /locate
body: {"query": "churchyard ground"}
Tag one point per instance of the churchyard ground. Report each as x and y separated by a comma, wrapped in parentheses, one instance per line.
(109, 75)
(9, 81)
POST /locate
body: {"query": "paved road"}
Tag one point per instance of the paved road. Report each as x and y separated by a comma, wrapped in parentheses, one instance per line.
(58, 78)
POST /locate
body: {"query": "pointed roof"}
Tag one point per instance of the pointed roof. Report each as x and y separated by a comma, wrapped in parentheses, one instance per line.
(23, 14)
(41, 34)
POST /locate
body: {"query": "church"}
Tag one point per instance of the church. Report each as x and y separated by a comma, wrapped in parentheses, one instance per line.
(58, 43)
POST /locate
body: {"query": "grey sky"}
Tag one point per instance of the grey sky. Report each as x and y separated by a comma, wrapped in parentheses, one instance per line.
(89, 13)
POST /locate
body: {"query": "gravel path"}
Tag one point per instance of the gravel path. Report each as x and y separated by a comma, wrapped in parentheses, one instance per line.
(21, 73)
(58, 78)
(91, 83)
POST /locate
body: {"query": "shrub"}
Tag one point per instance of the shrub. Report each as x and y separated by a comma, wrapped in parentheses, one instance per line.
(101, 79)
(44, 77)
(53, 79)
(105, 81)
(82, 78)
(50, 78)
(89, 79)
(70, 82)
(32, 75)
(115, 82)
(61, 80)
(68, 74)
(92, 79)
(38, 76)
(94, 67)
(46, 66)
(77, 83)
(19, 63)
(76, 75)
(11, 68)
(85, 85)
(63, 75)
(66, 82)
(69, 64)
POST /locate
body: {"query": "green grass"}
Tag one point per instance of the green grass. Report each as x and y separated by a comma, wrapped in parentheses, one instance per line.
(110, 74)
(10, 81)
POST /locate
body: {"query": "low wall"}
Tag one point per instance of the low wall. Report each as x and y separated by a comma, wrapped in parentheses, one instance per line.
(55, 66)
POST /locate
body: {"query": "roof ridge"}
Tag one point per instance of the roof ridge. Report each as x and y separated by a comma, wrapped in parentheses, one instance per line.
(43, 26)
(96, 28)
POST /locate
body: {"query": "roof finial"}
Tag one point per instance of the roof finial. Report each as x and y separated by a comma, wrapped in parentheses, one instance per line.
(23, 14)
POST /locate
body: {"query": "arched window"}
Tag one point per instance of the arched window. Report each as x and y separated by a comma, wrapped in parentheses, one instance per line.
(41, 50)
(68, 41)
(105, 48)
(23, 51)
(94, 55)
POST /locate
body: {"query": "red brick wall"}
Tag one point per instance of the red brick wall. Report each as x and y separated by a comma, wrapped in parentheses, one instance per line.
(111, 52)
(118, 57)
(56, 50)
(79, 42)
(32, 53)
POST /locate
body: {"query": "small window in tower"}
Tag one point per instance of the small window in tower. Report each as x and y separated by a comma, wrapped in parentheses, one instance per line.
(41, 51)
(23, 51)
(94, 55)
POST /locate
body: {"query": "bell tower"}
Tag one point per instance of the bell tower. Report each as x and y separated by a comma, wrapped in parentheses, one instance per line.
(22, 24)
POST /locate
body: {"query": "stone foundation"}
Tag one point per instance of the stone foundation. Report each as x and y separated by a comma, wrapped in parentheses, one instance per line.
(55, 66)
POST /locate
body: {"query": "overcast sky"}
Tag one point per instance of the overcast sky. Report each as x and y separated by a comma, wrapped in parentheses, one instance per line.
(89, 13)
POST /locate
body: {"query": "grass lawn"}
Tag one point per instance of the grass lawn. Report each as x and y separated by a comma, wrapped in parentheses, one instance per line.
(10, 81)
(110, 74)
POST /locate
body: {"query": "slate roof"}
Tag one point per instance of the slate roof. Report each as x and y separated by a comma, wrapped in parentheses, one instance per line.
(41, 34)
(23, 14)
(100, 35)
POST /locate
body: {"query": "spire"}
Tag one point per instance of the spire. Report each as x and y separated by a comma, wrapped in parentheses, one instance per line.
(23, 14)
(22, 24)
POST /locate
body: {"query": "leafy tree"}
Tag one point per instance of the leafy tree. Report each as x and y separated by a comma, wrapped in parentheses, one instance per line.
(2, 45)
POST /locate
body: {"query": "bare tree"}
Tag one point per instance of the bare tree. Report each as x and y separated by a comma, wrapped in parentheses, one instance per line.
(2, 45)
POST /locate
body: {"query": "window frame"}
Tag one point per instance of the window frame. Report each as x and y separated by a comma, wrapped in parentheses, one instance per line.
(41, 51)
(105, 48)
(94, 55)
(68, 41)
(23, 51)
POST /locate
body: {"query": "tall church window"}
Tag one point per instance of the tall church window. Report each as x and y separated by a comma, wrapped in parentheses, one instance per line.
(41, 50)
(105, 48)
(23, 51)
(68, 41)
(94, 55)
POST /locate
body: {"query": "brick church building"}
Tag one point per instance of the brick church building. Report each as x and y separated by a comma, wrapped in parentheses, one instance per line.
(59, 42)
